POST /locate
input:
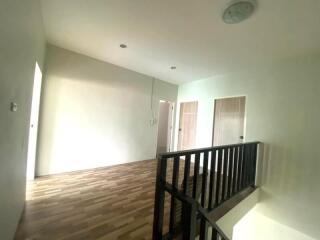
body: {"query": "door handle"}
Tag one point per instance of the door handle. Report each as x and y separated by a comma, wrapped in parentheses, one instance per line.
(241, 137)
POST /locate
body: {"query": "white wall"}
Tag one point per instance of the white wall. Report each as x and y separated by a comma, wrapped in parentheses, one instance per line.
(95, 114)
(22, 43)
(255, 226)
(283, 112)
(229, 220)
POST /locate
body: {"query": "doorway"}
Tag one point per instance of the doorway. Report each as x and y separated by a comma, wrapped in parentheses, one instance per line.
(165, 127)
(187, 125)
(229, 121)
(33, 127)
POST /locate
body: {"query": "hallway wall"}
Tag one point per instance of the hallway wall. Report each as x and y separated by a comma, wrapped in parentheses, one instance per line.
(282, 111)
(22, 43)
(96, 114)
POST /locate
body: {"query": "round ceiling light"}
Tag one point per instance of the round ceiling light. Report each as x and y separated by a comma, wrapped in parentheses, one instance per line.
(238, 11)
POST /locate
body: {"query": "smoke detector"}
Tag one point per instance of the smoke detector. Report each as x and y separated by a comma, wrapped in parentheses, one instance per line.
(238, 11)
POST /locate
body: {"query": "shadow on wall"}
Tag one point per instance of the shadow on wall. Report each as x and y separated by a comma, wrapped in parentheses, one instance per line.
(282, 188)
(274, 171)
(278, 168)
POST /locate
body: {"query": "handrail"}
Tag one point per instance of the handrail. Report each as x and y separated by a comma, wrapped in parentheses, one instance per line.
(197, 150)
(203, 213)
(226, 171)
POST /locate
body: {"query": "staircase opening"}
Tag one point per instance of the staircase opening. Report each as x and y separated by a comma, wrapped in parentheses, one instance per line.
(199, 186)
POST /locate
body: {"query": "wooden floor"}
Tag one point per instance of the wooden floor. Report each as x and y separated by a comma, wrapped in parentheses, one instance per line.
(107, 203)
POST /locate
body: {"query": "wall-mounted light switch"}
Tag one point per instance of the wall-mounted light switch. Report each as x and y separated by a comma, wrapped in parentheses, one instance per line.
(13, 107)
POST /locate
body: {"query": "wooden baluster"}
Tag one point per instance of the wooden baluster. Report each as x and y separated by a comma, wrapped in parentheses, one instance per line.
(245, 166)
(250, 153)
(230, 178)
(212, 186)
(159, 199)
(196, 175)
(175, 179)
(225, 173)
(248, 175)
(186, 174)
(217, 189)
(196, 178)
(255, 149)
(240, 168)
(203, 229)
(235, 169)
(214, 235)
(190, 220)
(185, 218)
(203, 223)
(204, 179)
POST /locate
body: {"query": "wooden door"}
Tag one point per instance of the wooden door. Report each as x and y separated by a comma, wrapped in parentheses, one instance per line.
(229, 114)
(187, 125)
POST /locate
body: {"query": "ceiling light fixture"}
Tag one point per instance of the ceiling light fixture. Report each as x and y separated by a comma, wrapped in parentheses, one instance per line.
(238, 11)
(123, 45)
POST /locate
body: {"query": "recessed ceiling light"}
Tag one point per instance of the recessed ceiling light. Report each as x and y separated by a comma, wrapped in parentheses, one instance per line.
(173, 67)
(123, 45)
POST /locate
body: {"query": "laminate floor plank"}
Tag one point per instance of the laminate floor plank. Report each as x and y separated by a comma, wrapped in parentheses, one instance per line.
(105, 203)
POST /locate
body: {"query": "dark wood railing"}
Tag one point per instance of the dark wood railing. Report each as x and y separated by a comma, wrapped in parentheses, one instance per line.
(198, 181)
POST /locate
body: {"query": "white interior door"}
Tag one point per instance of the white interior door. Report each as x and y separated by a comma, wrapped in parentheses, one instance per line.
(33, 128)
(164, 127)
(229, 115)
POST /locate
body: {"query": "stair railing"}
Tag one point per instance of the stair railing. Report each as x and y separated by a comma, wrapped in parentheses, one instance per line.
(198, 181)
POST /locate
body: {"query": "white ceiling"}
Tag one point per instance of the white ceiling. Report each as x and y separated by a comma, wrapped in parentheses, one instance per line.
(188, 34)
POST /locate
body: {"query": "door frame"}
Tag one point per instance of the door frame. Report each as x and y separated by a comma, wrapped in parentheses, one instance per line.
(172, 104)
(33, 126)
(244, 120)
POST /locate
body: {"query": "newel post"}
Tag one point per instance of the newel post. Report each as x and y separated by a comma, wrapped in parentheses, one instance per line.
(159, 199)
